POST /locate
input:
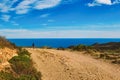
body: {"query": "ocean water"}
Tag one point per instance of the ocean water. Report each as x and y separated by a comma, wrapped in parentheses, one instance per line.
(55, 43)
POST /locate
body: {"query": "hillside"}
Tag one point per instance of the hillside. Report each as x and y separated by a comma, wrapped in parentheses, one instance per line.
(67, 65)
(5, 43)
(110, 46)
(16, 63)
(7, 51)
(5, 55)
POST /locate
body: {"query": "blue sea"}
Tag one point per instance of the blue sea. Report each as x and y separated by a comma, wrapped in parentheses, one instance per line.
(55, 43)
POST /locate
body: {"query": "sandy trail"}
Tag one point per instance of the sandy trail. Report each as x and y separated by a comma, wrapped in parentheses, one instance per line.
(65, 65)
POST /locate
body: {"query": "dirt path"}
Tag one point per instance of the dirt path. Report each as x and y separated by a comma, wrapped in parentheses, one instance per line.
(65, 65)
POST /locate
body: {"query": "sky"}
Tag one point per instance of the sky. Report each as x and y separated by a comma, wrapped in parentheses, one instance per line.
(60, 18)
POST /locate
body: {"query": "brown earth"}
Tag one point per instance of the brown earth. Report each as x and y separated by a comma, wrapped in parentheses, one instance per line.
(66, 65)
(5, 55)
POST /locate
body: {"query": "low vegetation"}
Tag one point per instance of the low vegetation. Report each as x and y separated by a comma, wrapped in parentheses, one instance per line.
(80, 47)
(46, 47)
(6, 43)
(108, 51)
(21, 65)
(6, 76)
(60, 48)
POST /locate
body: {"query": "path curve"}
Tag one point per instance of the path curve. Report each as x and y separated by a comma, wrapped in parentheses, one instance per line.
(66, 65)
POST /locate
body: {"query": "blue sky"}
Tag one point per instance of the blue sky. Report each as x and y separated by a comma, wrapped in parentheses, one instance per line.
(60, 18)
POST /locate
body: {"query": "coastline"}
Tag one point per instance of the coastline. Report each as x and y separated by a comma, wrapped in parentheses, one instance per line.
(61, 42)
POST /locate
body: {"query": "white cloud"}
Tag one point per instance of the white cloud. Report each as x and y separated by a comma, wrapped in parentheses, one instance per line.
(93, 4)
(26, 5)
(5, 5)
(108, 2)
(5, 18)
(23, 7)
(42, 4)
(3, 8)
(12, 30)
(44, 15)
(14, 23)
(24, 33)
(50, 20)
(116, 2)
(105, 2)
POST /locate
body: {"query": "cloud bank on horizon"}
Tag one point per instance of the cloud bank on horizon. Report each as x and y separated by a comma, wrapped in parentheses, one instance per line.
(35, 16)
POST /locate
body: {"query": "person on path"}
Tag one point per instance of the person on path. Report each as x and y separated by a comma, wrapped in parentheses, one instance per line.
(33, 45)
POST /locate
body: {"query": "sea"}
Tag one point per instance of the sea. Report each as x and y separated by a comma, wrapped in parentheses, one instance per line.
(61, 42)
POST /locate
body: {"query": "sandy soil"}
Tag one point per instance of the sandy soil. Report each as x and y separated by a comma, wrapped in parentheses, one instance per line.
(65, 65)
(5, 55)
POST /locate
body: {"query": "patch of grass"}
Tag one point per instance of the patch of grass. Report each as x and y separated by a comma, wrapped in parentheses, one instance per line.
(23, 66)
(6, 76)
(80, 47)
(23, 52)
(20, 64)
(46, 47)
(9, 76)
(60, 48)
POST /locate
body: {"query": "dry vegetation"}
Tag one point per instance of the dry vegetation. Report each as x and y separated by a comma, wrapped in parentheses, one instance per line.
(5, 43)
(108, 51)
(15, 63)
(7, 51)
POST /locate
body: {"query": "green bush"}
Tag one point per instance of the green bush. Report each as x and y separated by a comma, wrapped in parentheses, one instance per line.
(20, 64)
(60, 48)
(78, 47)
(6, 76)
(27, 77)
(46, 47)
(23, 66)
(23, 52)
(9, 76)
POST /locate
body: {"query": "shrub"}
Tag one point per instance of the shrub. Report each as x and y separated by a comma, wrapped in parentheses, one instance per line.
(20, 64)
(6, 76)
(46, 47)
(71, 47)
(60, 48)
(9, 76)
(79, 47)
(23, 52)
(23, 66)
(27, 77)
